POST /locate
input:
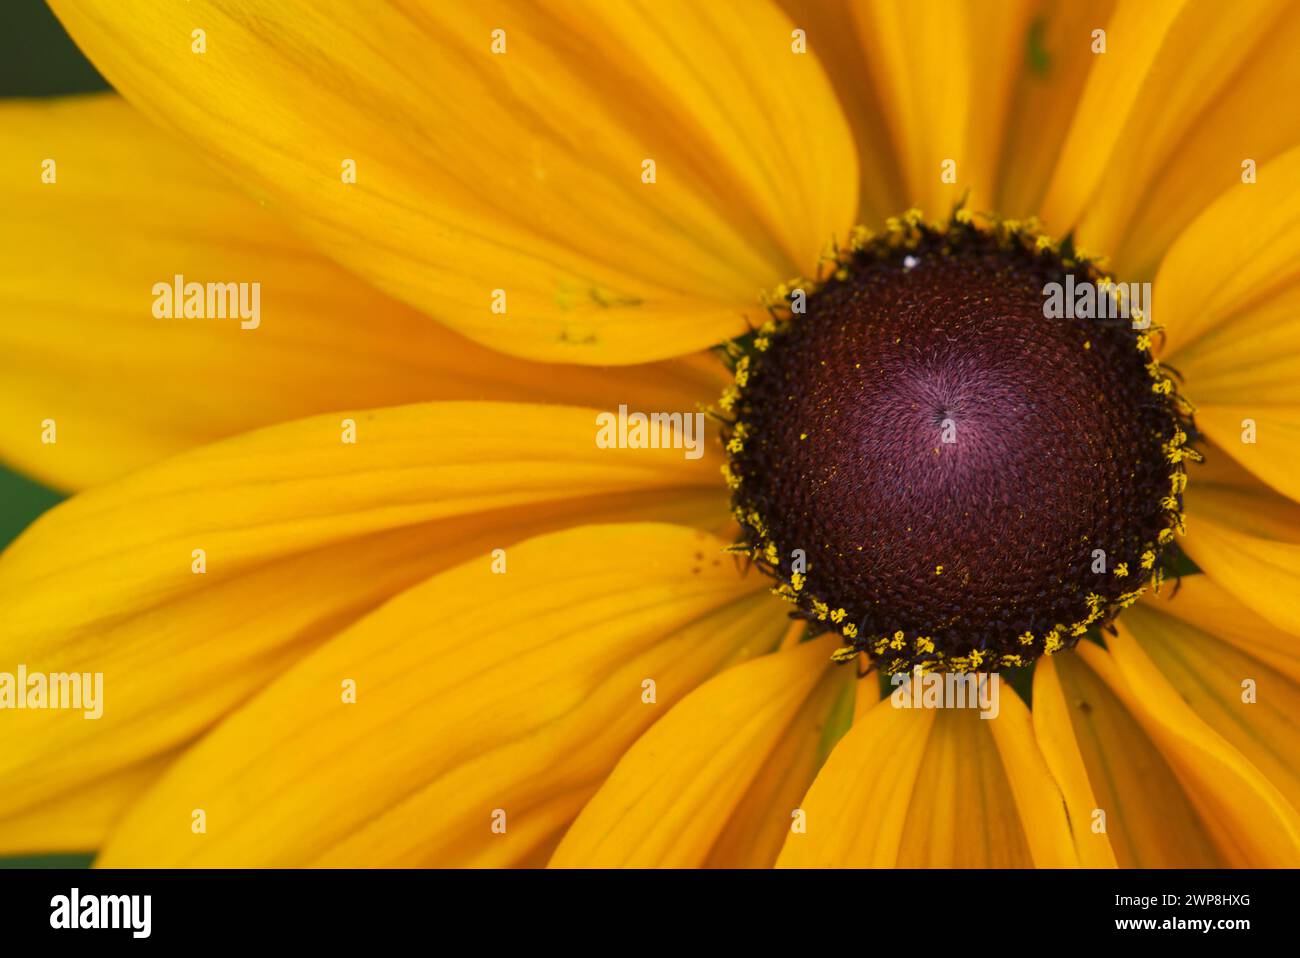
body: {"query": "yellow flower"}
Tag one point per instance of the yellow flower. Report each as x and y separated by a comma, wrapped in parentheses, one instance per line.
(365, 590)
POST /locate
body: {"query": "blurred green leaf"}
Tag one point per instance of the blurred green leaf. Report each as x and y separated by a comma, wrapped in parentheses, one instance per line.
(21, 501)
(48, 861)
(36, 56)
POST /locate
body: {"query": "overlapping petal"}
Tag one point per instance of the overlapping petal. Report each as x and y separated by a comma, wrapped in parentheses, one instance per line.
(1235, 125)
(1227, 293)
(1169, 789)
(300, 533)
(503, 147)
(488, 708)
(1055, 62)
(695, 781)
(1165, 64)
(830, 33)
(1238, 673)
(129, 208)
(494, 707)
(78, 819)
(944, 71)
(935, 787)
(1246, 536)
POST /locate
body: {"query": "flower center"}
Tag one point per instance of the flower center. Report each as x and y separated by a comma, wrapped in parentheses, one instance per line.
(936, 463)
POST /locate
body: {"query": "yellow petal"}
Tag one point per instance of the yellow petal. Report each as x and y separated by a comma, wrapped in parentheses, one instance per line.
(760, 821)
(934, 787)
(480, 698)
(1261, 435)
(945, 70)
(522, 170)
(672, 794)
(1173, 792)
(1055, 59)
(289, 488)
(1246, 537)
(1053, 719)
(1165, 62)
(831, 34)
(856, 809)
(131, 208)
(1246, 816)
(1229, 129)
(301, 534)
(1111, 92)
(1229, 293)
(1238, 252)
(1216, 653)
(1201, 604)
(1132, 796)
(78, 820)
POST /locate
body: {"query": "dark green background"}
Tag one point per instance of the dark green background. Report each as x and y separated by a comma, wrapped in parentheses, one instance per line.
(36, 59)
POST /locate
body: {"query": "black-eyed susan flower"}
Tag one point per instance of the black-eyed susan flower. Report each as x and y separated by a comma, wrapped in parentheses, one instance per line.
(363, 587)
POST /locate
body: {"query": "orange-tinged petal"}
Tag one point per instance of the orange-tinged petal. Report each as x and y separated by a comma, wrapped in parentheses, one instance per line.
(1250, 819)
(1273, 431)
(1234, 126)
(831, 35)
(945, 70)
(301, 535)
(856, 809)
(131, 207)
(288, 488)
(1164, 64)
(1138, 802)
(935, 787)
(1217, 654)
(522, 170)
(481, 699)
(1134, 33)
(672, 794)
(1240, 250)
(1246, 537)
(1057, 58)
(1241, 818)
(1201, 604)
(760, 822)
(1056, 737)
(1229, 294)
(78, 820)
